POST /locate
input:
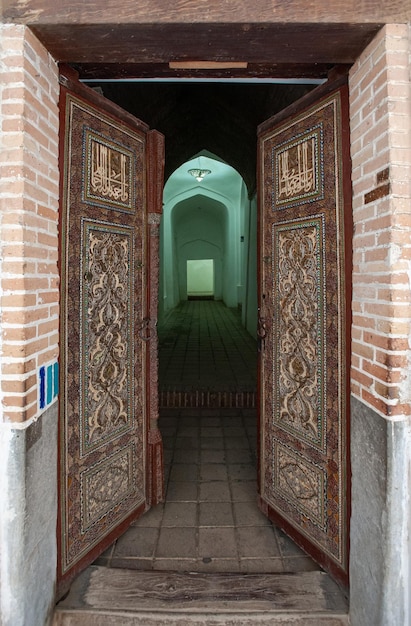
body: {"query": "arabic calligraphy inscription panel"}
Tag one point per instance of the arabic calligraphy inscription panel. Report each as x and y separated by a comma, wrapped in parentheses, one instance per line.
(298, 169)
(108, 172)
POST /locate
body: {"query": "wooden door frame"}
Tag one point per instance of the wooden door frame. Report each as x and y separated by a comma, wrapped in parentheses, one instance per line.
(337, 76)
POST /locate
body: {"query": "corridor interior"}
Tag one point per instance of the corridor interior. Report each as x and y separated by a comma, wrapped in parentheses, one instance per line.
(210, 521)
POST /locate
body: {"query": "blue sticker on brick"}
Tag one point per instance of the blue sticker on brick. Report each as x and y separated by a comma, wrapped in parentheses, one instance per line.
(42, 376)
(49, 384)
(56, 379)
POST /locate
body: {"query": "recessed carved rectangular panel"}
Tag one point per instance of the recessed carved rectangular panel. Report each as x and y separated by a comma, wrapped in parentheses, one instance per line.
(107, 324)
(298, 169)
(300, 482)
(299, 321)
(108, 172)
(106, 484)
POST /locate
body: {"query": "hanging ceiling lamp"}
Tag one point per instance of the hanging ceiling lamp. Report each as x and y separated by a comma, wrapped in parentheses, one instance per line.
(199, 174)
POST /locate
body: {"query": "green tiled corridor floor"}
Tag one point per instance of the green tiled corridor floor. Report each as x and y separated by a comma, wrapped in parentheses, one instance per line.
(203, 345)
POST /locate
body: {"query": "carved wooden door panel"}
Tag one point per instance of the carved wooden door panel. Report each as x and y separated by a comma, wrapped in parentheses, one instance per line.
(304, 298)
(110, 449)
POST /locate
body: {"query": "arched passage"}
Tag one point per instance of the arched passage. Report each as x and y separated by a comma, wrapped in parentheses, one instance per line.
(207, 219)
(195, 230)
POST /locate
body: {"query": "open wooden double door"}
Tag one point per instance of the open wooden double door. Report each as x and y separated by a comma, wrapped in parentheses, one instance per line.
(110, 451)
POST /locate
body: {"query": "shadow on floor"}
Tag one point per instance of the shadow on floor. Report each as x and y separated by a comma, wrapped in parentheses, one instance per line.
(207, 358)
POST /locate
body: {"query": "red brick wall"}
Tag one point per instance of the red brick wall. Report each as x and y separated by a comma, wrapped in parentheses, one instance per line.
(381, 153)
(28, 218)
(380, 94)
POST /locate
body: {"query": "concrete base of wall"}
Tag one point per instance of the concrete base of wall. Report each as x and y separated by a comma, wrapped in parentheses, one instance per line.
(28, 521)
(380, 522)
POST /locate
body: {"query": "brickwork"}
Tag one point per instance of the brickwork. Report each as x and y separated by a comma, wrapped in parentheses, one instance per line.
(380, 96)
(28, 214)
(381, 154)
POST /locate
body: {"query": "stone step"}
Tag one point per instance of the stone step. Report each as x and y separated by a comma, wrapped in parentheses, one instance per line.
(104, 596)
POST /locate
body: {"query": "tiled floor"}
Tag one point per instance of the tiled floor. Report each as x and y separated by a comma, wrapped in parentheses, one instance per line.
(210, 521)
(203, 345)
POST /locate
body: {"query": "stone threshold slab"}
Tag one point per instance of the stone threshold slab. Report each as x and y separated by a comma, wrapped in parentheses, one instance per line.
(87, 618)
(165, 597)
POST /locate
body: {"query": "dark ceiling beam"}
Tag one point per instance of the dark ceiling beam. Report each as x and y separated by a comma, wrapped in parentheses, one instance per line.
(250, 43)
(130, 71)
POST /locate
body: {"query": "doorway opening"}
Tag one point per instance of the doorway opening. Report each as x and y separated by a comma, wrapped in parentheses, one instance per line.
(210, 521)
(208, 290)
(200, 279)
(213, 223)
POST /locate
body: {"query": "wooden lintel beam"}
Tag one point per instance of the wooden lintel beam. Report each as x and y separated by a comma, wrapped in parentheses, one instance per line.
(112, 12)
(219, 43)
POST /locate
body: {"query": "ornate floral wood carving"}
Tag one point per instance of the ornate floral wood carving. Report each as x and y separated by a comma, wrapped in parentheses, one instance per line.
(103, 430)
(107, 342)
(303, 393)
(299, 322)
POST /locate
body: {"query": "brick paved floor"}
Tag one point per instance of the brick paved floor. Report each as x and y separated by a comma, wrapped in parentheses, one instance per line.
(210, 521)
(203, 345)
